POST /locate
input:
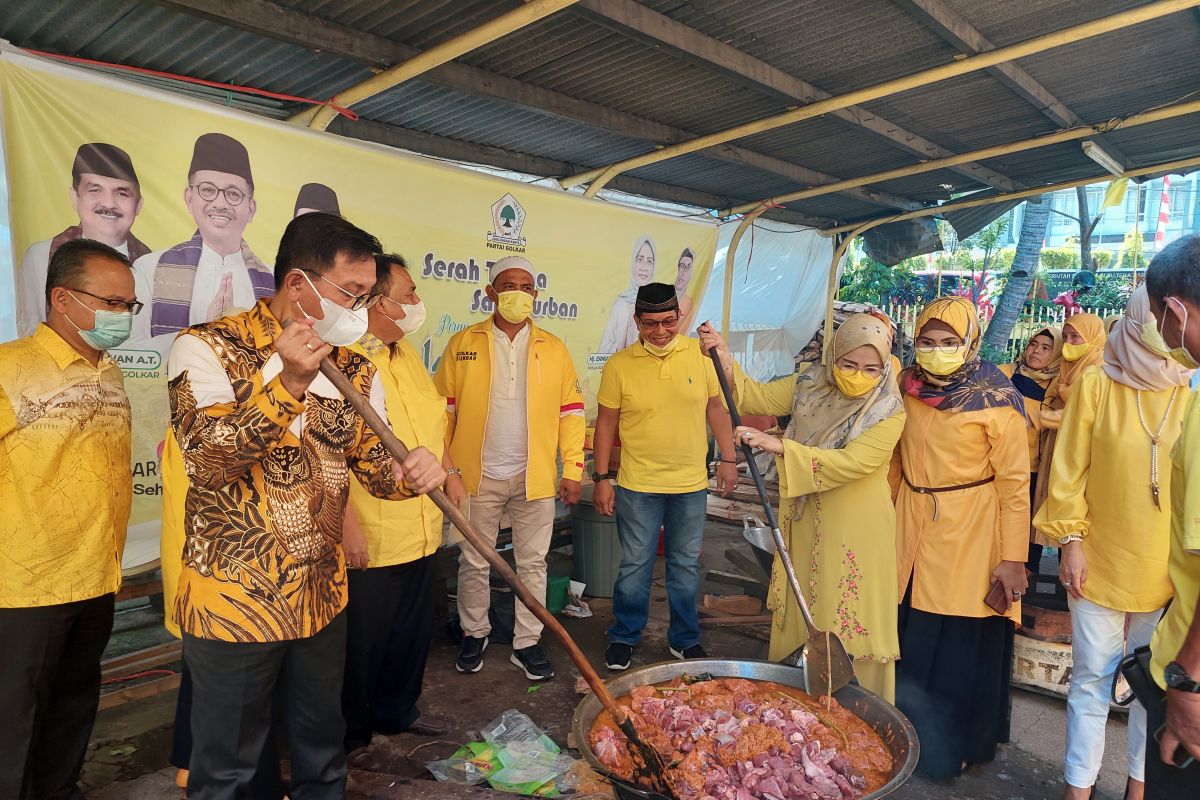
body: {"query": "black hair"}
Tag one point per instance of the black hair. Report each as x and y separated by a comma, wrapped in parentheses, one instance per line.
(1175, 271)
(383, 270)
(313, 242)
(70, 261)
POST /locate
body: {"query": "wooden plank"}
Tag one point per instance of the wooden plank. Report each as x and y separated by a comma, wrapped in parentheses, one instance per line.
(131, 590)
(748, 585)
(167, 683)
(317, 33)
(150, 656)
(746, 564)
(723, 622)
(638, 21)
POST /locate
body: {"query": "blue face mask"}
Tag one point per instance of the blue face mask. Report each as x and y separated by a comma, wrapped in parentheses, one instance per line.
(110, 330)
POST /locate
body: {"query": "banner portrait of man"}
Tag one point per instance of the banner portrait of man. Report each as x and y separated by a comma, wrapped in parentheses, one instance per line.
(107, 198)
(316, 197)
(199, 280)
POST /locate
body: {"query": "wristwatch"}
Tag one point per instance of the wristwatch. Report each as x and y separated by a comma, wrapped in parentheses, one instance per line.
(605, 476)
(1177, 678)
(454, 471)
(1070, 537)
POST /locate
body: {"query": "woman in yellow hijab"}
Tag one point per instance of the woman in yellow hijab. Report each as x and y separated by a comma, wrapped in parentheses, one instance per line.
(836, 511)
(963, 449)
(1084, 337)
(1032, 374)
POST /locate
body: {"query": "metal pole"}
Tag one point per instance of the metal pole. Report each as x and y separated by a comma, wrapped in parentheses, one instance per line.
(531, 12)
(599, 177)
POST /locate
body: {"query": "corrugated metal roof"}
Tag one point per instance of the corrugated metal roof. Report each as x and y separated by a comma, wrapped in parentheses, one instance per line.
(836, 46)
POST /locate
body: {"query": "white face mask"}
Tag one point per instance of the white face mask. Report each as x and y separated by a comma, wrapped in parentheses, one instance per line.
(414, 317)
(338, 326)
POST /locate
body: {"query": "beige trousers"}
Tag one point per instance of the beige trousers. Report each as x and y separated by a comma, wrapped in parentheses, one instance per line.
(532, 526)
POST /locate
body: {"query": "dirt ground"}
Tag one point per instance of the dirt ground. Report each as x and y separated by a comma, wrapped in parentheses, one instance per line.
(128, 759)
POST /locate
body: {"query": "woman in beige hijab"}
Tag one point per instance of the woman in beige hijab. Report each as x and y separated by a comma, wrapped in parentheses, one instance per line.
(836, 509)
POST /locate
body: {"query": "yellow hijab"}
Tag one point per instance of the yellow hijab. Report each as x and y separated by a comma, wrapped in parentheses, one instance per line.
(1091, 328)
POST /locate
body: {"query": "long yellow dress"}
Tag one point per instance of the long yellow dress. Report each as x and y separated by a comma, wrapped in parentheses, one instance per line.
(843, 542)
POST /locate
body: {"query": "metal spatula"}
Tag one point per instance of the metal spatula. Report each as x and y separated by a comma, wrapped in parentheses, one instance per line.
(827, 666)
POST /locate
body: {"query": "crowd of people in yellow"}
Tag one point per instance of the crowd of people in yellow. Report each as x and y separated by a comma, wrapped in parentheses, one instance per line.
(915, 501)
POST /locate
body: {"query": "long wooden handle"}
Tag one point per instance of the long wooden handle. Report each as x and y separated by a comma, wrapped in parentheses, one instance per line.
(784, 556)
(475, 539)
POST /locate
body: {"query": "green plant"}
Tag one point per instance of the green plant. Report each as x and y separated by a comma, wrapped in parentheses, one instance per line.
(872, 282)
(1132, 256)
(1102, 258)
(1060, 258)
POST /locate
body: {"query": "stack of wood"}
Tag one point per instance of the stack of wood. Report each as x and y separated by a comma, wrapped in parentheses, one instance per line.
(744, 501)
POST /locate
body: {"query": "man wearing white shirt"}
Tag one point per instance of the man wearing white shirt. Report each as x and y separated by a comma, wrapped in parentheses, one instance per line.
(107, 197)
(197, 281)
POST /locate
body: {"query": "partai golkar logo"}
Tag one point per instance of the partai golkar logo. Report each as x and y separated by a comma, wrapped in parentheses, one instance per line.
(508, 219)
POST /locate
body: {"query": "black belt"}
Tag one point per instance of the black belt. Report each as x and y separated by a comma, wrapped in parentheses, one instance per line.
(934, 491)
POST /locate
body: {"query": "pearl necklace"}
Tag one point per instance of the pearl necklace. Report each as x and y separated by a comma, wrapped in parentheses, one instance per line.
(1155, 438)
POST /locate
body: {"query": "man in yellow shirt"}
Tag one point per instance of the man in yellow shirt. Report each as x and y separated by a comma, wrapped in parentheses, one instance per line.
(268, 443)
(390, 544)
(660, 394)
(1173, 727)
(513, 405)
(65, 491)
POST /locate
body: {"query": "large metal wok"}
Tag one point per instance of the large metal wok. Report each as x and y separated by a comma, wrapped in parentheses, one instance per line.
(893, 727)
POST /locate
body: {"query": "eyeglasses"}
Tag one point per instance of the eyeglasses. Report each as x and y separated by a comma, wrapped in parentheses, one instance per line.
(665, 324)
(361, 301)
(870, 372)
(209, 191)
(929, 347)
(132, 306)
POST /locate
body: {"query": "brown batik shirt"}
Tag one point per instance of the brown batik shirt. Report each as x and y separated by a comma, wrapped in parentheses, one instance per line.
(268, 477)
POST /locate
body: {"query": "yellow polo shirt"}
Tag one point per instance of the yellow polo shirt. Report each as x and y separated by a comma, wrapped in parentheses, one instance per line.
(65, 477)
(401, 531)
(1184, 562)
(664, 424)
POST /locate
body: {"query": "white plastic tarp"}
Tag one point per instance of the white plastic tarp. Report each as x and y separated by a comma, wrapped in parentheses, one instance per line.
(779, 281)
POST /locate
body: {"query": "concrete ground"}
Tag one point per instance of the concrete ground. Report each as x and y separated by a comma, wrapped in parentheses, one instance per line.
(128, 760)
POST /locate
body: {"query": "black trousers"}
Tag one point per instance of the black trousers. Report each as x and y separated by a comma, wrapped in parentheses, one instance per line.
(268, 781)
(235, 685)
(390, 623)
(49, 690)
(1164, 782)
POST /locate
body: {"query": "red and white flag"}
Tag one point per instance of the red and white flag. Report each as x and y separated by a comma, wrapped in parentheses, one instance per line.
(1164, 216)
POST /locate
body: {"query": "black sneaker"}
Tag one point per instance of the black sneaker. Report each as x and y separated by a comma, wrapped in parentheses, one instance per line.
(617, 656)
(470, 654)
(532, 661)
(695, 651)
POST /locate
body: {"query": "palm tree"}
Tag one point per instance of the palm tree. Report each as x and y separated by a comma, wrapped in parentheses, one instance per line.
(1020, 276)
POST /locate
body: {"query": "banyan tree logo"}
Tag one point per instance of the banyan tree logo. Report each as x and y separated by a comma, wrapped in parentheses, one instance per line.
(508, 218)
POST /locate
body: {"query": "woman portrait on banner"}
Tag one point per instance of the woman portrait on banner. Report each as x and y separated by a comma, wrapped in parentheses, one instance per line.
(960, 550)
(1031, 374)
(683, 277)
(836, 509)
(1083, 347)
(621, 331)
(1108, 508)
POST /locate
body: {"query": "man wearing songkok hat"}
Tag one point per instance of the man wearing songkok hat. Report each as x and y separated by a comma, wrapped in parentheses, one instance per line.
(514, 404)
(659, 395)
(316, 197)
(107, 197)
(198, 280)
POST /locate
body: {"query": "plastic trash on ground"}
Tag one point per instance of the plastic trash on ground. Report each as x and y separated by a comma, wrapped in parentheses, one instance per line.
(516, 756)
(576, 606)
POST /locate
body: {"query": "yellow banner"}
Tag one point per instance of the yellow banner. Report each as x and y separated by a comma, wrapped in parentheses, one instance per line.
(91, 156)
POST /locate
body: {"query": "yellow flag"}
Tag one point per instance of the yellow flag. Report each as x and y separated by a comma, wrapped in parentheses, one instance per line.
(1114, 195)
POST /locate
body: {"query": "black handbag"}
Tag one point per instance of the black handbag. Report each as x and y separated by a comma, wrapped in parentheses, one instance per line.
(1134, 670)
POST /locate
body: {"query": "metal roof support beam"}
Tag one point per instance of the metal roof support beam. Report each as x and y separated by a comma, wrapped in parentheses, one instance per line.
(306, 30)
(957, 205)
(456, 150)
(956, 30)
(634, 19)
(1038, 44)
(1085, 131)
(320, 116)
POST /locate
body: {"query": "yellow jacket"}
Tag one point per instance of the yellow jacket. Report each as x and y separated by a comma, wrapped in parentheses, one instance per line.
(402, 531)
(555, 410)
